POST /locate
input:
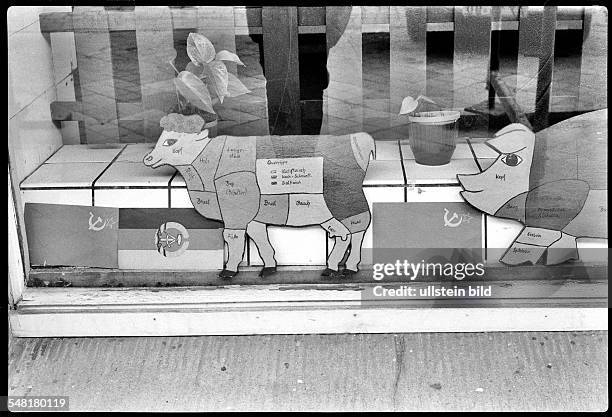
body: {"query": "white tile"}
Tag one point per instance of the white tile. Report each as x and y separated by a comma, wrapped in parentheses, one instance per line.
(433, 194)
(135, 152)
(295, 246)
(85, 153)
(387, 150)
(131, 197)
(136, 174)
(79, 174)
(179, 198)
(384, 173)
(592, 250)
(441, 174)
(78, 197)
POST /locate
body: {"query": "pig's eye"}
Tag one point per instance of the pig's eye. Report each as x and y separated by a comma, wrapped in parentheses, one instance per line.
(511, 159)
(169, 142)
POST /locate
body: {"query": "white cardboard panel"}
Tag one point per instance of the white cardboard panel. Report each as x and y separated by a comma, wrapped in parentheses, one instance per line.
(387, 150)
(73, 197)
(131, 197)
(433, 194)
(85, 153)
(384, 173)
(125, 174)
(179, 198)
(80, 174)
(592, 250)
(294, 246)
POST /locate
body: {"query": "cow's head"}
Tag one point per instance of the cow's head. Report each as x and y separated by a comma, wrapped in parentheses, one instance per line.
(508, 176)
(180, 143)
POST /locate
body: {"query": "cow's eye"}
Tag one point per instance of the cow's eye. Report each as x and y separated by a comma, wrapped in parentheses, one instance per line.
(169, 142)
(511, 159)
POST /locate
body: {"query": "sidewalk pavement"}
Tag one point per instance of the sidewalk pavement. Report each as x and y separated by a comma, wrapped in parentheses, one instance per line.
(562, 371)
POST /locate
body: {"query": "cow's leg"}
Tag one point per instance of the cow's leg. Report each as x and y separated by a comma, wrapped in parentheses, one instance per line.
(238, 195)
(336, 255)
(354, 257)
(235, 250)
(259, 233)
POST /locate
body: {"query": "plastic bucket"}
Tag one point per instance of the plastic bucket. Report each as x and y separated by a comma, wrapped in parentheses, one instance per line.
(433, 136)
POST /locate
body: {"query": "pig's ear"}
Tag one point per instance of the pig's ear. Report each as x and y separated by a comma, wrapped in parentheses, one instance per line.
(511, 127)
(512, 139)
(202, 135)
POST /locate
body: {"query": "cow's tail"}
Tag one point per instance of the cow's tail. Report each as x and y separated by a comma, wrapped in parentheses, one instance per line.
(363, 146)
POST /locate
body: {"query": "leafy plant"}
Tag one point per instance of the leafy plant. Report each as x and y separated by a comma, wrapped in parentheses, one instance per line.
(206, 74)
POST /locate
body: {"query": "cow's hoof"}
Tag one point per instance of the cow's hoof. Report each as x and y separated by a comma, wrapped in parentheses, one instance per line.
(348, 273)
(227, 274)
(267, 271)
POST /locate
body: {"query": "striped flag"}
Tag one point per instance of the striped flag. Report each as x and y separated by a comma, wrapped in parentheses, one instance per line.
(125, 238)
(160, 238)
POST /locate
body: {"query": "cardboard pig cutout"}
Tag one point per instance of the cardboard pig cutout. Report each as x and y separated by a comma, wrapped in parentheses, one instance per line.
(554, 182)
(254, 181)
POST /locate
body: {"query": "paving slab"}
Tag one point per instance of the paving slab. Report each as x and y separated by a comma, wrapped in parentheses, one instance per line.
(559, 371)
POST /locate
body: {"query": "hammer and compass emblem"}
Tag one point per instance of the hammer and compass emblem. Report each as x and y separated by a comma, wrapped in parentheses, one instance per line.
(171, 239)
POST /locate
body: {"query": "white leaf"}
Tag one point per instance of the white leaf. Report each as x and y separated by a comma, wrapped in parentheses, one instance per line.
(235, 87)
(408, 105)
(218, 78)
(200, 49)
(194, 90)
(228, 56)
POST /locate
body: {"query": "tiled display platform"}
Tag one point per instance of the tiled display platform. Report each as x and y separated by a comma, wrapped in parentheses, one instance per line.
(114, 176)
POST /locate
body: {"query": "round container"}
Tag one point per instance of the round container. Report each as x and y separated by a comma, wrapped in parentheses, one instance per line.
(433, 136)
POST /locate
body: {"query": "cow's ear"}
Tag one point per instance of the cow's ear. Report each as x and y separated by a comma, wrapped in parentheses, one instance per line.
(202, 135)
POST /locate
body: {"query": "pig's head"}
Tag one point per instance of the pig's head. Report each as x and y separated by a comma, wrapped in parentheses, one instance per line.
(508, 176)
(180, 143)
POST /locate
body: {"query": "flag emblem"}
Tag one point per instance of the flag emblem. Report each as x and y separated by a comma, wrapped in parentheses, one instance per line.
(171, 239)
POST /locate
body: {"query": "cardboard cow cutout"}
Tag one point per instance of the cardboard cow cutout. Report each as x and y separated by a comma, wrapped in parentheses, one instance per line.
(554, 182)
(254, 181)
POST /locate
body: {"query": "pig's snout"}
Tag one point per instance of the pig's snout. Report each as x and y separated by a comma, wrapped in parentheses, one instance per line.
(470, 182)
